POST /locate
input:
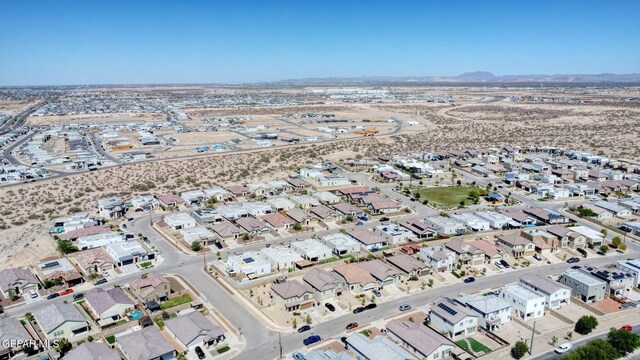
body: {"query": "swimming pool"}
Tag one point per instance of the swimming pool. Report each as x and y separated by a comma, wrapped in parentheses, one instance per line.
(135, 315)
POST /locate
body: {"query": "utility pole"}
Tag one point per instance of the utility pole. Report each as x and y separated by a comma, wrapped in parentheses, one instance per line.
(280, 343)
(533, 332)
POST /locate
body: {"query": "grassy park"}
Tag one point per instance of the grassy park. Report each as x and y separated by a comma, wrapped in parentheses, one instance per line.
(450, 196)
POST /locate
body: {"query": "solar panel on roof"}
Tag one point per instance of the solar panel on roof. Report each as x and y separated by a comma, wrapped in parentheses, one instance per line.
(248, 260)
(447, 309)
(50, 264)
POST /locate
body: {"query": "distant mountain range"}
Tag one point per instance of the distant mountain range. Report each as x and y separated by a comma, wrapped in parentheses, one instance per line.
(475, 77)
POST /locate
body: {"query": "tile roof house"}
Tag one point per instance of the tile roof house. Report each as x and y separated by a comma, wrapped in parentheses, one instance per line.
(566, 237)
(277, 221)
(193, 329)
(355, 277)
(516, 245)
(227, 230)
(420, 229)
(383, 273)
(92, 261)
(492, 252)
(439, 258)
(108, 305)
(60, 320)
(150, 286)
(422, 340)
(252, 225)
(292, 295)
(347, 209)
(146, 344)
(16, 281)
(324, 284)
(409, 265)
(302, 217)
(323, 212)
(92, 351)
(466, 253)
(368, 239)
(11, 331)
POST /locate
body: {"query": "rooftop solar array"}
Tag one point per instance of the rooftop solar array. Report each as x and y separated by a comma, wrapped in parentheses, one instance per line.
(50, 265)
(446, 308)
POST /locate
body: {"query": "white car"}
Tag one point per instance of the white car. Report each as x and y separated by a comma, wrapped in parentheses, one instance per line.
(498, 265)
(564, 348)
(33, 294)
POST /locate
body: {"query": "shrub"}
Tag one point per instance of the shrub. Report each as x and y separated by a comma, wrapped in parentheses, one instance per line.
(195, 246)
(586, 324)
(519, 349)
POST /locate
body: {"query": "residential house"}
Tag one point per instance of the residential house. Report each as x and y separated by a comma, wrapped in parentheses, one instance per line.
(218, 193)
(355, 277)
(555, 294)
(409, 265)
(599, 213)
(257, 208)
(92, 351)
(496, 220)
(249, 263)
(420, 229)
(301, 217)
(311, 249)
(382, 272)
(325, 285)
(395, 233)
(632, 267)
(61, 320)
(277, 221)
(473, 223)
(566, 237)
(466, 254)
(193, 329)
(526, 303)
(252, 225)
(439, 258)
(227, 230)
(151, 286)
(593, 238)
(422, 340)
(144, 203)
(546, 216)
(379, 347)
(207, 215)
(281, 204)
(60, 268)
(292, 295)
(490, 309)
(347, 209)
(304, 201)
(193, 197)
(323, 213)
(519, 218)
(111, 207)
(341, 244)
(368, 239)
(234, 211)
(108, 306)
(516, 245)
(98, 240)
(615, 209)
(238, 191)
(380, 204)
(145, 344)
(452, 319)
(619, 283)
(16, 282)
(326, 197)
(281, 258)
(492, 252)
(198, 233)
(128, 253)
(446, 226)
(92, 261)
(179, 221)
(583, 285)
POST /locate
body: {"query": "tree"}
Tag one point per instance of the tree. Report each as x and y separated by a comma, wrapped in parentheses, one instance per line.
(604, 249)
(195, 246)
(294, 322)
(211, 202)
(586, 324)
(586, 212)
(597, 349)
(616, 242)
(297, 226)
(604, 232)
(246, 237)
(622, 247)
(430, 282)
(349, 218)
(64, 346)
(624, 341)
(308, 320)
(554, 340)
(519, 349)
(67, 247)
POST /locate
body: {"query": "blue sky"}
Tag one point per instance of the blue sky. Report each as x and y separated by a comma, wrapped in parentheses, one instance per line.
(112, 42)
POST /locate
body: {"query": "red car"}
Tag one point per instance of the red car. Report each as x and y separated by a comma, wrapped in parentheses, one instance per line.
(626, 327)
(66, 292)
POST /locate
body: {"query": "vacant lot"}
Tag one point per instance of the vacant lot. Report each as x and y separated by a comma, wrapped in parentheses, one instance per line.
(448, 196)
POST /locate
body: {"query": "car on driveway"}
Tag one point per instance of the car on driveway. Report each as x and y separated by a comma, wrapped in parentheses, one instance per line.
(405, 307)
(370, 306)
(78, 296)
(377, 293)
(564, 348)
(100, 282)
(359, 223)
(311, 340)
(33, 294)
(358, 310)
(498, 265)
(302, 329)
(200, 353)
(470, 279)
(330, 307)
(573, 260)
(626, 327)
(53, 296)
(124, 226)
(582, 252)
(504, 263)
(352, 325)
(384, 219)
(537, 257)
(66, 292)
(130, 219)
(297, 356)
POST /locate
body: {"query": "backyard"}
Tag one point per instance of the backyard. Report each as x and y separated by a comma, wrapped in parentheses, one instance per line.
(182, 299)
(476, 346)
(450, 196)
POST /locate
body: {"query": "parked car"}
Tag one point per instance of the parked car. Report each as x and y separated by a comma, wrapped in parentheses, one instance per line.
(371, 306)
(363, 218)
(405, 307)
(504, 263)
(311, 339)
(105, 273)
(564, 348)
(53, 296)
(78, 296)
(537, 257)
(33, 294)
(124, 226)
(470, 279)
(130, 219)
(377, 293)
(66, 292)
(626, 327)
(129, 236)
(352, 325)
(302, 329)
(330, 307)
(498, 265)
(582, 252)
(576, 267)
(200, 353)
(358, 310)
(100, 282)
(384, 219)
(1, 310)
(573, 260)
(359, 223)
(297, 356)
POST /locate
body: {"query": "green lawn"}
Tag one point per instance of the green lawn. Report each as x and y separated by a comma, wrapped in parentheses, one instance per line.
(223, 349)
(448, 196)
(476, 346)
(111, 339)
(182, 299)
(329, 260)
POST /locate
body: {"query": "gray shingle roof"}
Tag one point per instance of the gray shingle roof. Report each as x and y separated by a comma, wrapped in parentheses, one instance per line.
(192, 325)
(145, 344)
(92, 351)
(52, 316)
(101, 300)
